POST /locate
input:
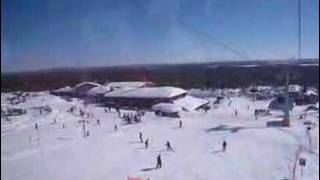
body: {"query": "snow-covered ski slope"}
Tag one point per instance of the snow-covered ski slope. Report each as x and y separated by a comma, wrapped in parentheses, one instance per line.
(254, 151)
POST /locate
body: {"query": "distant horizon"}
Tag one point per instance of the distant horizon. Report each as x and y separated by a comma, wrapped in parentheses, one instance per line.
(159, 64)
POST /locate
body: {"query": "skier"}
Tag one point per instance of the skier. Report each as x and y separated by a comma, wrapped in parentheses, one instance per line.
(236, 112)
(115, 127)
(98, 122)
(169, 148)
(118, 111)
(63, 126)
(224, 146)
(159, 162)
(140, 137)
(36, 126)
(180, 124)
(146, 143)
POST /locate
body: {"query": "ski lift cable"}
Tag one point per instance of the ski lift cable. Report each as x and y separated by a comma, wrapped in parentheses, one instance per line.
(210, 38)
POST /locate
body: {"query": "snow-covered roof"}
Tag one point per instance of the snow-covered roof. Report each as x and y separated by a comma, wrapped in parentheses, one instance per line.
(63, 89)
(167, 107)
(135, 84)
(190, 102)
(148, 92)
(99, 90)
(88, 83)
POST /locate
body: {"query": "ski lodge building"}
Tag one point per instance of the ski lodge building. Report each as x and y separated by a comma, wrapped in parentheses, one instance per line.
(132, 95)
(144, 97)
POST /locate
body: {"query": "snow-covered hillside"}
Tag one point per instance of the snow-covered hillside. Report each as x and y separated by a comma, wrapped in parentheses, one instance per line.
(254, 151)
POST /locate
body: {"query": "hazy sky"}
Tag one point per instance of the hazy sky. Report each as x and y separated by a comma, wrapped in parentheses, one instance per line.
(39, 34)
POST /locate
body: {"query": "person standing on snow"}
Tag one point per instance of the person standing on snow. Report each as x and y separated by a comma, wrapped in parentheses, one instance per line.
(169, 148)
(141, 137)
(224, 146)
(180, 124)
(146, 143)
(159, 162)
(36, 126)
(98, 122)
(115, 127)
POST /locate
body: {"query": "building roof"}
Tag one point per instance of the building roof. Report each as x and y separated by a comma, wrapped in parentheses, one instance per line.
(190, 102)
(87, 83)
(63, 89)
(148, 92)
(135, 84)
(167, 107)
(99, 90)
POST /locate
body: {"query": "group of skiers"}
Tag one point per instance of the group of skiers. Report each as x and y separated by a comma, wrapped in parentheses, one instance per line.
(136, 118)
(168, 147)
(130, 118)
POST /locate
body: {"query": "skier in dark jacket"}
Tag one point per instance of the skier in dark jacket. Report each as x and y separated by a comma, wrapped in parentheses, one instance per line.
(224, 146)
(169, 148)
(146, 143)
(180, 124)
(98, 122)
(36, 126)
(140, 137)
(159, 162)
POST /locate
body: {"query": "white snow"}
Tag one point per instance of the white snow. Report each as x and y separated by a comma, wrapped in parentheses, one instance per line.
(311, 92)
(254, 151)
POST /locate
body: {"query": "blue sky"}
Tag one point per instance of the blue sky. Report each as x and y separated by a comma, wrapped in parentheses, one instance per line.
(38, 34)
